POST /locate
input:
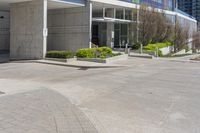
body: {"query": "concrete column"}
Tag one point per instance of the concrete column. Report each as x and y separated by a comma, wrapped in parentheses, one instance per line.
(110, 35)
(90, 25)
(28, 29)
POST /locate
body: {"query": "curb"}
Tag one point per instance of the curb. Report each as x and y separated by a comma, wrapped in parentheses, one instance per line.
(76, 66)
(142, 56)
(183, 61)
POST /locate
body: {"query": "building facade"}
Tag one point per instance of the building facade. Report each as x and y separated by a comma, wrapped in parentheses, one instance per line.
(191, 7)
(30, 28)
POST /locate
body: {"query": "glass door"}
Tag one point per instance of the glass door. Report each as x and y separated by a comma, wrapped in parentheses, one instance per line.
(117, 36)
(121, 35)
(124, 35)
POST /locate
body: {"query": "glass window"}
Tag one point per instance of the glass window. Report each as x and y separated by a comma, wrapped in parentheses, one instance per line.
(97, 13)
(119, 13)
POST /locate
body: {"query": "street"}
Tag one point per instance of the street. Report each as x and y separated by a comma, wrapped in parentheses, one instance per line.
(144, 96)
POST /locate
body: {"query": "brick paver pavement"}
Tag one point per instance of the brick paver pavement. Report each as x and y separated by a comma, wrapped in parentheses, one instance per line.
(41, 111)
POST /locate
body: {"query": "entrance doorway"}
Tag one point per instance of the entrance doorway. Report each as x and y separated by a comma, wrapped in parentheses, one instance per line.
(95, 34)
(121, 35)
(99, 33)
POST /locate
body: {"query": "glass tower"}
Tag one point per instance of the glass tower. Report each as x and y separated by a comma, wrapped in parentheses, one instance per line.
(191, 7)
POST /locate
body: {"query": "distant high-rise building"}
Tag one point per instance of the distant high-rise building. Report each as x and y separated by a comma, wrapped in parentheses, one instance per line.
(185, 5)
(191, 7)
(196, 9)
(163, 4)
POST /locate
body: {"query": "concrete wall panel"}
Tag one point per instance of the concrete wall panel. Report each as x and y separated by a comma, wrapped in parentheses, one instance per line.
(69, 29)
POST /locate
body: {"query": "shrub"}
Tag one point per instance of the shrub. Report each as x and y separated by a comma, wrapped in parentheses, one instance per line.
(60, 54)
(101, 52)
(136, 46)
(106, 50)
(85, 52)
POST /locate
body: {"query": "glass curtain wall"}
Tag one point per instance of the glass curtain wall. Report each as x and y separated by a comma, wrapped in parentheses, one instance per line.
(121, 35)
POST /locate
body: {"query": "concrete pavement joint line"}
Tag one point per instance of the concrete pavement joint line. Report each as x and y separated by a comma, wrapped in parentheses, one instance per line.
(78, 120)
(166, 114)
(55, 124)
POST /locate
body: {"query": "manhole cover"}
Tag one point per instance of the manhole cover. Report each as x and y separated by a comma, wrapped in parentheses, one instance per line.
(2, 92)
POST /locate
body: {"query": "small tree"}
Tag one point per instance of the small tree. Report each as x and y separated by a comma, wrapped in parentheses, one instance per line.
(146, 25)
(164, 29)
(196, 41)
(153, 26)
(181, 35)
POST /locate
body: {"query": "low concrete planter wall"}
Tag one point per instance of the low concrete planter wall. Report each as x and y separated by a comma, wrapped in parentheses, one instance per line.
(107, 60)
(141, 55)
(166, 50)
(189, 52)
(180, 52)
(61, 60)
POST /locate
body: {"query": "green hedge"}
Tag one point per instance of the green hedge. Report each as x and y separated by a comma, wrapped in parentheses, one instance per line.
(157, 45)
(101, 52)
(60, 54)
(153, 47)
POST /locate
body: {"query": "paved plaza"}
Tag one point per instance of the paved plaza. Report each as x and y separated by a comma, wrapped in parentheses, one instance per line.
(144, 96)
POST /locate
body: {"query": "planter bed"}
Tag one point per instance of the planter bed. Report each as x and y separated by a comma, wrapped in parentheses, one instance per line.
(61, 60)
(106, 60)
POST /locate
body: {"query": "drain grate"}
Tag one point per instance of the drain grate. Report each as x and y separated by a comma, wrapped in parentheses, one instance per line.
(2, 92)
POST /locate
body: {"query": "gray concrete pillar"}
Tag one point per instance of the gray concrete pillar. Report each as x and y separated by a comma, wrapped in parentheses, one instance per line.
(28, 29)
(110, 35)
(90, 24)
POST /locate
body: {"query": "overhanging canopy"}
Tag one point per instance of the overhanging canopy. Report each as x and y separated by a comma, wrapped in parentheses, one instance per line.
(52, 4)
(55, 4)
